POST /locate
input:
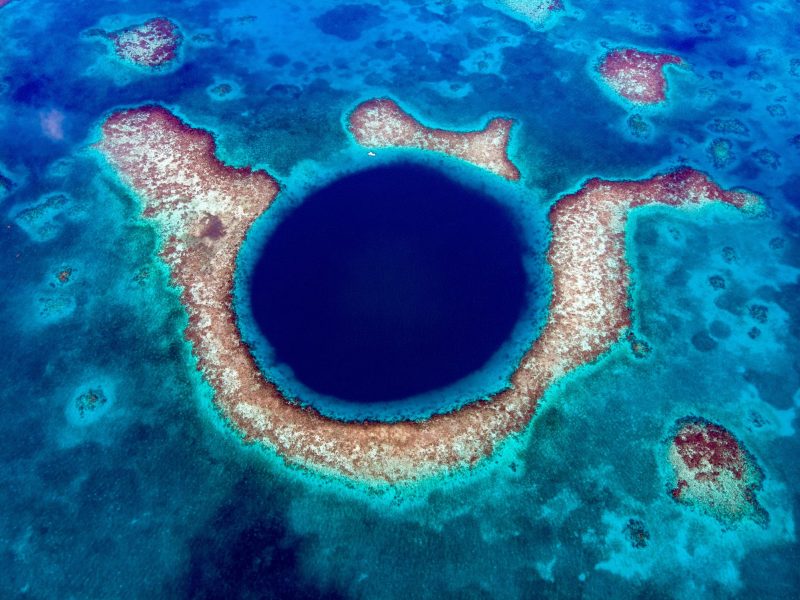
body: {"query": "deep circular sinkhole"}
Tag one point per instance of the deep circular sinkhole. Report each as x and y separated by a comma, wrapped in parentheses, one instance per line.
(389, 283)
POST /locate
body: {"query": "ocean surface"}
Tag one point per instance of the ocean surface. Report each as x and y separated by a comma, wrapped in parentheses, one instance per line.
(120, 477)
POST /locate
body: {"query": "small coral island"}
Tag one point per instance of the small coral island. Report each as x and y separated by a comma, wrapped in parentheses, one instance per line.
(714, 473)
(151, 44)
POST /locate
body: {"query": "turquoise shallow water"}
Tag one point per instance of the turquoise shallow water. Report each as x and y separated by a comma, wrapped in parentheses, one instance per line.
(148, 494)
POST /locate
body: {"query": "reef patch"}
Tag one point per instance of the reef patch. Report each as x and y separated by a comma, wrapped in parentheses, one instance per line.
(721, 152)
(381, 123)
(714, 473)
(153, 43)
(44, 219)
(636, 75)
(224, 90)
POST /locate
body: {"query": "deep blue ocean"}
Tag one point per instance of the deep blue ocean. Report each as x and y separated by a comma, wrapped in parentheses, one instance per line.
(389, 283)
(120, 479)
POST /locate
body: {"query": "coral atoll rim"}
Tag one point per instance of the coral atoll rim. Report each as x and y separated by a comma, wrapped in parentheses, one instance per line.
(204, 210)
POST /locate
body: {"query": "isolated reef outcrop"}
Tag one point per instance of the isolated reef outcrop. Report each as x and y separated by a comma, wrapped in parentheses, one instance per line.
(636, 75)
(714, 473)
(151, 44)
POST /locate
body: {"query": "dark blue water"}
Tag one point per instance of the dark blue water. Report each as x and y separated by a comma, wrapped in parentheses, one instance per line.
(390, 282)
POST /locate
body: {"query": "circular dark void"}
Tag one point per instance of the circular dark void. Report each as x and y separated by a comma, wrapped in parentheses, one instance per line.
(389, 283)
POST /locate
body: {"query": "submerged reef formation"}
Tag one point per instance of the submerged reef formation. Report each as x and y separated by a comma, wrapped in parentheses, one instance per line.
(638, 126)
(720, 150)
(63, 276)
(204, 210)
(222, 91)
(536, 12)
(43, 220)
(767, 158)
(382, 123)
(153, 43)
(637, 533)
(636, 75)
(639, 347)
(89, 401)
(734, 126)
(6, 185)
(714, 472)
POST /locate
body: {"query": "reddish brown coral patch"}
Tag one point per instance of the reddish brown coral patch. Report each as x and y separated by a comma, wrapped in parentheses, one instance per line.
(714, 472)
(89, 401)
(151, 44)
(636, 75)
(64, 275)
(382, 123)
(186, 190)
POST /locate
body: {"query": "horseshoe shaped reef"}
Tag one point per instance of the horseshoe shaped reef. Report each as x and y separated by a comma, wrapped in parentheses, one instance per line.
(204, 209)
